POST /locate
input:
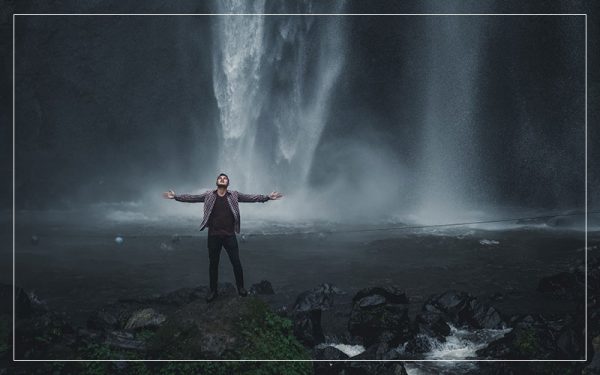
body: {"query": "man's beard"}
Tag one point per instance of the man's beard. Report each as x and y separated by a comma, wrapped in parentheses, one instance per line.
(222, 185)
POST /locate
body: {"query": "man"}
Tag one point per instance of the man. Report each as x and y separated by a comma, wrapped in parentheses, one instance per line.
(222, 217)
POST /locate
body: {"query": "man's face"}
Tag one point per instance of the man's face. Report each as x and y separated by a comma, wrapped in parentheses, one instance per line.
(222, 181)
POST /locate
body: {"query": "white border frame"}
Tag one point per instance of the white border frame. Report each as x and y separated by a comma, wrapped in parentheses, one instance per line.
(309, 14)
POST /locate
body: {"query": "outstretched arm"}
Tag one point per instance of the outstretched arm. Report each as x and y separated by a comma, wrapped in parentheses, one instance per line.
(258, 197)
(185, 197)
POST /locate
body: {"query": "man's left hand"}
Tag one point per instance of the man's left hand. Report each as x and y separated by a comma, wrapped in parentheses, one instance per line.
(275, 195)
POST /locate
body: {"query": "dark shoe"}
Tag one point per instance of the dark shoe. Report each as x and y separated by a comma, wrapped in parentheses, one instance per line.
(242, 292)
(211, 296)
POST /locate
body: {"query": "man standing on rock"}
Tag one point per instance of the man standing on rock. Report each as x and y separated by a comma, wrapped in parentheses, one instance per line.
(222, 217)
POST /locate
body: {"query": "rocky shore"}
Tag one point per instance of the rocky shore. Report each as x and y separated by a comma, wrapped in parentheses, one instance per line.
(327, 330)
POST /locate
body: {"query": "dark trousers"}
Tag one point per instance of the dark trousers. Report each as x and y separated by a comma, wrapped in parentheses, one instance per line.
(214, 254)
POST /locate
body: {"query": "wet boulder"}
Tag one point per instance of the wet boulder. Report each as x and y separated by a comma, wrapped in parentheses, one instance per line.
(328, 353)
(178, 297)
(103, 320)
(391, 294)
(124, 340)
(44, 336)
(379, 351)
(460, 309)
(480, 315)
(432, 325)
(307, 327)
(306, 313)
(379, 315)
(538, 337)
(181, 296)
(319, 298)
(264, 287)
(118, 315)
(213, 330)
(114, 316)
(27, 304)
(419, 344)
(145, 318)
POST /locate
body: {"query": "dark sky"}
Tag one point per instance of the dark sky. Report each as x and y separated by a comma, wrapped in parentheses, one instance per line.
(107, 105)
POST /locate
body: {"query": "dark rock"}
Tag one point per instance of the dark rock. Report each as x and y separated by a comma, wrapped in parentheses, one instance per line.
(329, 352)
(432, 325)
(145, 318)
(227, 289)
(114, 316)
(86, 336)
(42, 336)
(460, 308)
(451, 302)
(319, 298)
(373, 300)
(201, 330)
(180, 297)
(538, 337)
(24, 306)
(124, 340)
(377, 323)
(479, 315)
(103, 320)
(391, 294)
(378, 351)
(421, 343)
(306, 313)
(307, 327)
(264, 287)
(118, 314)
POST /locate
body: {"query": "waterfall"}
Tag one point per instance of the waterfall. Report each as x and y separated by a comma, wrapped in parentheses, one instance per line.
(273, 78)
(449, 162)
(237, 59)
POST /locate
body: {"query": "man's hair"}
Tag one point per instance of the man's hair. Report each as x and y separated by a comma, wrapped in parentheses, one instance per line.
(223, 174)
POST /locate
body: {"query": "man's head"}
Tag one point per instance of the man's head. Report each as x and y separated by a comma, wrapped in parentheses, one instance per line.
(222, 180)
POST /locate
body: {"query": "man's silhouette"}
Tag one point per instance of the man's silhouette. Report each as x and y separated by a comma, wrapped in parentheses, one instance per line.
(222, 217)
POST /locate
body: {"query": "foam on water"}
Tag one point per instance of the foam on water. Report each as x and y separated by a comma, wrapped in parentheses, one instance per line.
(349, 350)
(460, 344)
(463, 343)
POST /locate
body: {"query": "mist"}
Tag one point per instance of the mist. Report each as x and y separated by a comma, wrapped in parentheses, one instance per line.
(353, 118)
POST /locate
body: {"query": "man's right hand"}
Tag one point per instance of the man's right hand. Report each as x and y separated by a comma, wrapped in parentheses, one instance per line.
(169, 194)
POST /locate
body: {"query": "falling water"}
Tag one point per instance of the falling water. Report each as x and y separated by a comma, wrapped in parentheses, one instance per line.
(273, 79)
(449, 166)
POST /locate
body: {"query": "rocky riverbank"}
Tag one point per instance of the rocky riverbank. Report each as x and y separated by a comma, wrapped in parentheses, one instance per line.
(327, 330)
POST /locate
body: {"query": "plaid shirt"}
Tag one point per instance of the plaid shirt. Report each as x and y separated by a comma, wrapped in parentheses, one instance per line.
(233, 197)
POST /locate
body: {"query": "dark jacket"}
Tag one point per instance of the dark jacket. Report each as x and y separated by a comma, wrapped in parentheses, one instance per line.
(233, 197)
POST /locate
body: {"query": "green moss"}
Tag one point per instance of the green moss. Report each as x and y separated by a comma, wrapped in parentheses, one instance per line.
(263, 335)
(527, 343)
(175, 341)
(145, 335)
(269, 336)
